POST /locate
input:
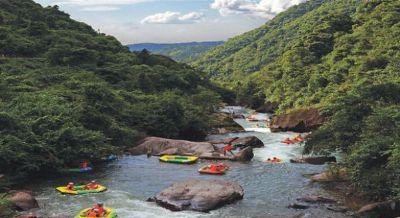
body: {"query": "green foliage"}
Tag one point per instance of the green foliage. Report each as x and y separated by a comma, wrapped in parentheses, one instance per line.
(340, 56)
(5, 206)
(69, 94)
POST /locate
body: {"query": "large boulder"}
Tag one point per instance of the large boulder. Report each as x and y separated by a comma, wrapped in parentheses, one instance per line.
(314, 160)
(249, 141)
(244, 155)
(22, 200)
(339, 176)
(303, 120)
(161, 146)
(204, 150)
(380, 209)
(199, 195)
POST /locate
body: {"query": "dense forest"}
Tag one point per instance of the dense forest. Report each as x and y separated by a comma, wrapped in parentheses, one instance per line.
(183, 52)
(340, 56)
(69, 93)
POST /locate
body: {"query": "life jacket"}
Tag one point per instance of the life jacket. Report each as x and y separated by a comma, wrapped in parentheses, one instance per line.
(228, 147)
(85, 165)
(92, 213)
(70, 187)
(101, 210)
(213, 168)
(299, 138)
(92, 186)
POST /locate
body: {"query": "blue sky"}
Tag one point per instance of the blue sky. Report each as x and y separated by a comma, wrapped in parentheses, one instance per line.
(137, 21)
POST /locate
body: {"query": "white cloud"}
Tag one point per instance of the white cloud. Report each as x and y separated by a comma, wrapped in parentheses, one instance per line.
(100, 8)
(261, 8)
(170, 17)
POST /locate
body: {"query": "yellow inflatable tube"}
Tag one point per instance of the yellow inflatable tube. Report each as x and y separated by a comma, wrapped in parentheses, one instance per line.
(80, 190)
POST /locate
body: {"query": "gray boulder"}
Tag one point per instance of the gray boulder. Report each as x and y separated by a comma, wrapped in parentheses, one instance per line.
(199, 195)
(22, 200)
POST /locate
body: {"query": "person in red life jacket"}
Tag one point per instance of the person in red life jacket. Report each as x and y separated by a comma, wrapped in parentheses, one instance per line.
(71, 186)
(100, 208)
(85, 165)
(228, 148)
(92, 185)
(213, 168)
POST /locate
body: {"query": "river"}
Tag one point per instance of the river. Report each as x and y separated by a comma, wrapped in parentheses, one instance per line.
(269, 188)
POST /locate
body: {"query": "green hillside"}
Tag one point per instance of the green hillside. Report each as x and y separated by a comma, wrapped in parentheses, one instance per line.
(340, 56)
(183, 52)
(68, 93)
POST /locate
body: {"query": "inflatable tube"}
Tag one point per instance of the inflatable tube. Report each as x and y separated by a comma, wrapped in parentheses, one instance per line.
(207, 170)
(178, 159)
(110, 213)
(80, 190)
(274, 161)
(251, 119)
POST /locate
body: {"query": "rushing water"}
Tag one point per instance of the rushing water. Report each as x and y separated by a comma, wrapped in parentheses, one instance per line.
(269, 188)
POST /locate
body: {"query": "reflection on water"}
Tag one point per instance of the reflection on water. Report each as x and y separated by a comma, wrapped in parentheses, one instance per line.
(269, 188)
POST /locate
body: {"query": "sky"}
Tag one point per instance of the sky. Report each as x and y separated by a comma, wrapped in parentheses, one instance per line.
(171, 21)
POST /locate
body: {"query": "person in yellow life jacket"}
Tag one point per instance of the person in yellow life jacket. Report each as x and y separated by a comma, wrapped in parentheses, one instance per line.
(71, 186)
(92, 185)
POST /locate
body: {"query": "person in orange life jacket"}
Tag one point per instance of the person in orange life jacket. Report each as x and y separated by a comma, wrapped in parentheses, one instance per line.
(92, 185)
(299, 138)
(96, 211)
(71, 186)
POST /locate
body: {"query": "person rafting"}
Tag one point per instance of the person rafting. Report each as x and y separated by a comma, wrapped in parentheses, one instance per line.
(92, 185)
(228, 148)
(96, 211)
(85, 165)
(298, 138)
(71, 186)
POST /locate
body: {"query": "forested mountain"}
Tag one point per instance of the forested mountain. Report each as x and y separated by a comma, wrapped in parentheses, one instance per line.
(68, 93)
(341, 56)
(184, 52)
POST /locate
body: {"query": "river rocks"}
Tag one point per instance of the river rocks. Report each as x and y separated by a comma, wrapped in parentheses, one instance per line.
(341, 175)
(199, 195)
(314, 160)
(380, 209)
(298, 206)
(205, 150)
(298, 121)
(244, 155)
(23, 200)
(161, 146)
(224, 123)
(316, 199)
(249, 141)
